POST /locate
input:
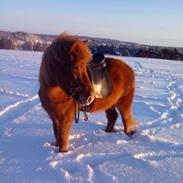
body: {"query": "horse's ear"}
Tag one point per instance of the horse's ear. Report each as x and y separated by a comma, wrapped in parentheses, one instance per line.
(86, 41)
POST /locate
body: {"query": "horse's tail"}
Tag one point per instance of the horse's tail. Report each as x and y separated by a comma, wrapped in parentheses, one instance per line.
(107, 102)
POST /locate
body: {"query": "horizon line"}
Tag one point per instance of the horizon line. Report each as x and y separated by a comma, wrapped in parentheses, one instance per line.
(95, 37)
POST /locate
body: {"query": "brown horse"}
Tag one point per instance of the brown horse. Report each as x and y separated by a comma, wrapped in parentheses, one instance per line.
(65, 83)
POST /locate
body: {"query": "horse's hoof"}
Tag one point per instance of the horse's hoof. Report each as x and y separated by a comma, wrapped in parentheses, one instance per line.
(54, 144)
(110, 131)
(130, 134)
(63, 150)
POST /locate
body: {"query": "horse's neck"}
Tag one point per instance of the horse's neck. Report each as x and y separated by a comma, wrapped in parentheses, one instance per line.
(97, 74)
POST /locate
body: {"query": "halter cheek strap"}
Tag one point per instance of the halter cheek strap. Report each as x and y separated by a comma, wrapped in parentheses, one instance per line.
(75, 96)
(77, 113)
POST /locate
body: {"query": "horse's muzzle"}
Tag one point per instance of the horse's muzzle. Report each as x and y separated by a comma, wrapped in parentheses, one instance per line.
(90, 99)
(87, 101)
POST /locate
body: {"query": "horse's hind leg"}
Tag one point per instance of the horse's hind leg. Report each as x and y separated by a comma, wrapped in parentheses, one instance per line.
(111, 116)
(125, 107)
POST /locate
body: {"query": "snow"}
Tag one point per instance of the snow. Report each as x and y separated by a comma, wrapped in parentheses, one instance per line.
(154, 154)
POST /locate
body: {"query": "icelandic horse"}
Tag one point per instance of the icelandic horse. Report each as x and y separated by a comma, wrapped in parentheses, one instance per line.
(65, 84)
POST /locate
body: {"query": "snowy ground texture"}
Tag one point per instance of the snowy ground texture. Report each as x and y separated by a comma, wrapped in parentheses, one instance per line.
(154, 155)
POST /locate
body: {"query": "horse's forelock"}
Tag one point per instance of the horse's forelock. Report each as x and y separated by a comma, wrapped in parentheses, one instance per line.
(79, 52)
(66, 47)
(63, 51)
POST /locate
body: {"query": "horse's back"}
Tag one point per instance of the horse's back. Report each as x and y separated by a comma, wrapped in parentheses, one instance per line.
(121, 71)
(123, 83)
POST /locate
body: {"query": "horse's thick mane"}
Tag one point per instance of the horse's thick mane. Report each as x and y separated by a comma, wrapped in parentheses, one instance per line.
(64, 51)
(58, 50)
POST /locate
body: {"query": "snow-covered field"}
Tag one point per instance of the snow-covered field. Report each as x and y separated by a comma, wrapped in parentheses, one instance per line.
(155, 154)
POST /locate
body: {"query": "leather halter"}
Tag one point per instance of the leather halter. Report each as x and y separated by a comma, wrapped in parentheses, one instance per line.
(74, 93)
(76, 89)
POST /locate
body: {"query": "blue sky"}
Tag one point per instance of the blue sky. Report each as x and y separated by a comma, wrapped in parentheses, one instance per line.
(157, 22)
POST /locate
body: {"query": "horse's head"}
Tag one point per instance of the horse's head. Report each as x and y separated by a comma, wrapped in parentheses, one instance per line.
(81, 87)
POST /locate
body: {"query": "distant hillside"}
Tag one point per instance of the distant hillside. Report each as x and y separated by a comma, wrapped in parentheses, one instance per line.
(38, 42)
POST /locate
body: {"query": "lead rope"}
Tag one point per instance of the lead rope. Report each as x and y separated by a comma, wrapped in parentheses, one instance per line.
(86, 117)
(77, 112)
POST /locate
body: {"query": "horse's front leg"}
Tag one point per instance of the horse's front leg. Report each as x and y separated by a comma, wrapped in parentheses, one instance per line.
(64, 124)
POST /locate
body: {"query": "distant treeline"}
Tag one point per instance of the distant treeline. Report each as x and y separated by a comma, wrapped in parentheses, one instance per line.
(144, 51)
(38, 42)
(6, 43)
